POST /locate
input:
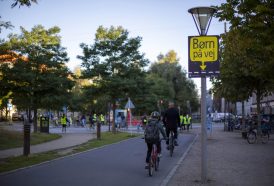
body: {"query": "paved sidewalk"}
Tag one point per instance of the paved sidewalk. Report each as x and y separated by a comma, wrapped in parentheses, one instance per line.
(67, 140)
(231, 161)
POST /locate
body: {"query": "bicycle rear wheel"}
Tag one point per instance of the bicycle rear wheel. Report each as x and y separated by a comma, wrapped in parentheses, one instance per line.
(251, 137)
(265, 137)
(171, 145)
(150, 167)
(156, 162)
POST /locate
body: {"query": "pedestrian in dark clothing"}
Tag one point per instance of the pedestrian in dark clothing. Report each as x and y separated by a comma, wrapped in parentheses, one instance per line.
(83, 120)
(171, 120)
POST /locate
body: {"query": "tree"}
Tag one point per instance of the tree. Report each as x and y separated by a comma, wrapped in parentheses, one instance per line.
(178, 88)
(7, 24)
(23, 3)
(114, 63)
(233, 84)
(77, 102)
(157, 92)
(39, 78)
(252, 48)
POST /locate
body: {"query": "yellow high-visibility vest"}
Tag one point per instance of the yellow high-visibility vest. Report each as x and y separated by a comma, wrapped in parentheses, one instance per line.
(63, 120)
(102, 118)
(181, 118)
(189, 120)
(185, 120)
(94, 117)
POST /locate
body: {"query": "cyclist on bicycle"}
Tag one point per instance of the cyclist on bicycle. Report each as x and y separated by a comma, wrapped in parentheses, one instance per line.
(152, 134)
(171, 120)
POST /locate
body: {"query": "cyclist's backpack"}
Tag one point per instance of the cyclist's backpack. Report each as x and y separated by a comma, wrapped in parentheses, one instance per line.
(152, 132)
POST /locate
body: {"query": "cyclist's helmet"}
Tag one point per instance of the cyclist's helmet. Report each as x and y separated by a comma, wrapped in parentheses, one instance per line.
(155, 114)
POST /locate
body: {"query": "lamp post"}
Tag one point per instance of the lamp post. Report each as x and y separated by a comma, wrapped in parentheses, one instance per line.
(202, 17)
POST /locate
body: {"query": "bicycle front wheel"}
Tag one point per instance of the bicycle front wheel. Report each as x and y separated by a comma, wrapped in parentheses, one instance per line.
(265, 137)
(251, 137)
(150, 167)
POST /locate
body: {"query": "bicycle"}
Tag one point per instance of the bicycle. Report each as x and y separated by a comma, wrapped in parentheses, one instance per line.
(171, 145)
(252, 134)
(154, 160)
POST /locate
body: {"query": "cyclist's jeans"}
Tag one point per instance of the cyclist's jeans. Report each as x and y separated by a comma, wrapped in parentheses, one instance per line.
(149, 149)
(174, 131)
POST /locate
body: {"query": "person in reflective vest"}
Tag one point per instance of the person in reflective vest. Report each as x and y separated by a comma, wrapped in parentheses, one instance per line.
(144, 121)
(102, 119)
(64, 122)
(181, 121)
(184, 122)
(188, 121)
(94, 118)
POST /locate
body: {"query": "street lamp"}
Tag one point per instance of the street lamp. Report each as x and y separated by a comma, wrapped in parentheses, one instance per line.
(202, 17)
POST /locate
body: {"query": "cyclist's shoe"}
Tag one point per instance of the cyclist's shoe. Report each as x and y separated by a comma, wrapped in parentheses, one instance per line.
(175, 143)
(167, 147)
(146, 166)
(159, 155)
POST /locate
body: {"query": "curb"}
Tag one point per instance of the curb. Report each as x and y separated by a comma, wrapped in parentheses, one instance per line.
(173, 171)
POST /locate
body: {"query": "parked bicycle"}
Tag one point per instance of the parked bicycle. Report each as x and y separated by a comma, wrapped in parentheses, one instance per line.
(253, 131)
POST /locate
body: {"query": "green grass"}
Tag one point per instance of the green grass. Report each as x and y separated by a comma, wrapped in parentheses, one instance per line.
(13, 139)
(106, 138)
(12, 163)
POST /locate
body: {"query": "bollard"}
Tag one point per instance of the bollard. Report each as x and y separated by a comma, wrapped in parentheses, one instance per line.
(44, 124)
(26, 150)
(98, 130)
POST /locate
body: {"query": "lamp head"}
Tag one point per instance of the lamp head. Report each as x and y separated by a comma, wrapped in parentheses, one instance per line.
(202, 17)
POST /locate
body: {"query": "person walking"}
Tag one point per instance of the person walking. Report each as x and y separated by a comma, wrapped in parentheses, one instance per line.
(171, 120)
(102, 119)
(94, 119)
(83, 120)
(64, 123)
(188, 121)
(184, 122)
(91, 122)
(181, 121)
(144, 121)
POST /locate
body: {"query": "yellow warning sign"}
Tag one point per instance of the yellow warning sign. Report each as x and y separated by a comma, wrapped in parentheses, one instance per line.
(204, 49)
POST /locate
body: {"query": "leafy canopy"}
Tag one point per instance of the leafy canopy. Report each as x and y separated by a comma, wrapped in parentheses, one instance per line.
(114, 63)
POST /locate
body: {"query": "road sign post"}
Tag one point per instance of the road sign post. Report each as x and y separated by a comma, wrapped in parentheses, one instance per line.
(129, 106)
(203, 50)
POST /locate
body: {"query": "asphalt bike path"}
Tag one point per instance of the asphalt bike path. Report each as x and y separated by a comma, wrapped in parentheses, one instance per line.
(117, 164)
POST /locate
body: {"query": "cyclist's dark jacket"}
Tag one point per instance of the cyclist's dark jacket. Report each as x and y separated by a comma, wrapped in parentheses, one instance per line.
(171, 118)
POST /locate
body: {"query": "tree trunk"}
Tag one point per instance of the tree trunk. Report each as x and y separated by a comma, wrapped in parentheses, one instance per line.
(35, 128)
(6, 113)
(113, 121)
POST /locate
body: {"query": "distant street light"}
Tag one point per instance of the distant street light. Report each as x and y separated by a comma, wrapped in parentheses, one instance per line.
(202, 17)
